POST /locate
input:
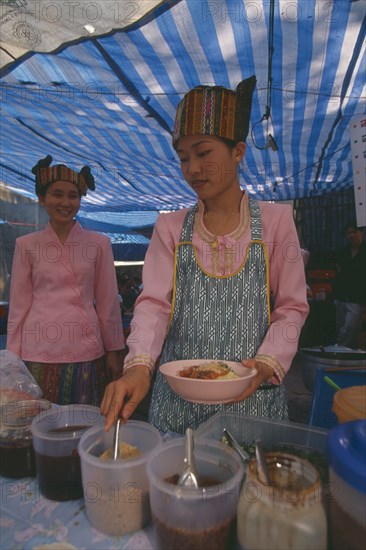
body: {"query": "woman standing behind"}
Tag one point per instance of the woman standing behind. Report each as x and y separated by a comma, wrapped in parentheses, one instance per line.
(64, 317)
(210, 274)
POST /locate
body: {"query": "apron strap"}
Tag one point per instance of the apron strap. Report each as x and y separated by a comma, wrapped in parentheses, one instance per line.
(255, 222)
(255, 219)
(187, 230)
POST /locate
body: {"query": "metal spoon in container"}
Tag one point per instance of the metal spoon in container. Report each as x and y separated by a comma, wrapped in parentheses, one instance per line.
(116, 440)
(189, 476)
(263, 474)
(233, 443)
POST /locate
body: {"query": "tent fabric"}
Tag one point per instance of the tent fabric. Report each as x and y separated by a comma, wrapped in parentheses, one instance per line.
(116, 222)
(109, 101)
(44, 25)
(127, 245)
(129, 252)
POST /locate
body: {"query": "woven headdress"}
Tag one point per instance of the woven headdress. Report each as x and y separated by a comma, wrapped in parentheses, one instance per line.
(46, 174)
(215, 111)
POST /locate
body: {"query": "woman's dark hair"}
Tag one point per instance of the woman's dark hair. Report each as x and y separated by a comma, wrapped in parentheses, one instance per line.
(229, 142)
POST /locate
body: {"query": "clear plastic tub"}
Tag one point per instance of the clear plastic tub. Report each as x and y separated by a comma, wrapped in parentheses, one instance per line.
(294, 438)
(195, 518)
(16, 450)
(116, 492)
(246, 429)
(56, 434)
(287, 514)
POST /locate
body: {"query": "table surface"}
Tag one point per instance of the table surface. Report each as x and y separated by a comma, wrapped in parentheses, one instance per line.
(29, 521)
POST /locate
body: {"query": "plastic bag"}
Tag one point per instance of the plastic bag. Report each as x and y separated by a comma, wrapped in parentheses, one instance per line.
(16, 382)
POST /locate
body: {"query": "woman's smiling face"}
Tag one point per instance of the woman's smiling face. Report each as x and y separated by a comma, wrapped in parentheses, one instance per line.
(62, 201)
(208, 165)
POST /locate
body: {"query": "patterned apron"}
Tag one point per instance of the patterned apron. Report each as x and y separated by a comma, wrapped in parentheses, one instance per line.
(216, 318)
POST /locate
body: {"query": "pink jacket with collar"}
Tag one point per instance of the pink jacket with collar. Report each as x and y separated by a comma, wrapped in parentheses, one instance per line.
(286, 277)
(63, 298)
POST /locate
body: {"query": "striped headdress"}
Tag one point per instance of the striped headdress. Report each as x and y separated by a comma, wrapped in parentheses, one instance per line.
(46, 174)
(215, 111)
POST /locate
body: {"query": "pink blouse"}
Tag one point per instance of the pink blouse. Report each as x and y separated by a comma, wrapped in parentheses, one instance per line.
(223, 256)
(63, 298)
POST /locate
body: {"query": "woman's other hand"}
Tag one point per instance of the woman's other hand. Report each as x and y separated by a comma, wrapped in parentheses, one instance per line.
(122, 396)
(114, 364)
(264, 372)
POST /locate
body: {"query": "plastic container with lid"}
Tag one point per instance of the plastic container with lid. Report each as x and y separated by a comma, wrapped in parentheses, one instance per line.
(56, 434)
(347, 471)
(350, 404)
(116, 492)
(190, 518)
(247, 428)
(288, 514)
(16, 449)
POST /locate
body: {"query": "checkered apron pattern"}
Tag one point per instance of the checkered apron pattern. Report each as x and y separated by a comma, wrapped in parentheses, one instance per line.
(216, 318)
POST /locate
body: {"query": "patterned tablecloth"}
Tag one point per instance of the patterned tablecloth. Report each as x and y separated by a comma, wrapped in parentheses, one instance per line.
(28, 521)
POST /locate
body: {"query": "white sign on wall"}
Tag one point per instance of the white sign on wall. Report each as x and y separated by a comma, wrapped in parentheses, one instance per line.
(358, 150)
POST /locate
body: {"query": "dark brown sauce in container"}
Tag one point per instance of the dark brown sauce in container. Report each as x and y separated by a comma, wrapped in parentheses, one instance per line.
(219, 537)
(202, 480)
(17, 458)
(56, 436)
(59, 477)
(68, 429)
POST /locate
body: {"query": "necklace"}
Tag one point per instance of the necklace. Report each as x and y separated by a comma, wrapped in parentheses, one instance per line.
(208, 235)
(215, 243)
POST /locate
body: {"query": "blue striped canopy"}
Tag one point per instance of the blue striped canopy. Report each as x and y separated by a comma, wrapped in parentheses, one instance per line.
(109, 101)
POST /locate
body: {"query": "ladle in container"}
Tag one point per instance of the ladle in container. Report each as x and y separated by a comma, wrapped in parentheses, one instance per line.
(116, 440)
(233, 443)
(263, 474)
(189, 476)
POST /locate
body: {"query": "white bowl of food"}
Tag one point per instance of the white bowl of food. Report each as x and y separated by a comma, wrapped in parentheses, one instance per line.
(207, 381)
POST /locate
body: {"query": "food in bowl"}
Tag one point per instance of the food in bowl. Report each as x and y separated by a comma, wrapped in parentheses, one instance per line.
(203, 390)
(125, 451)
(212, 370)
